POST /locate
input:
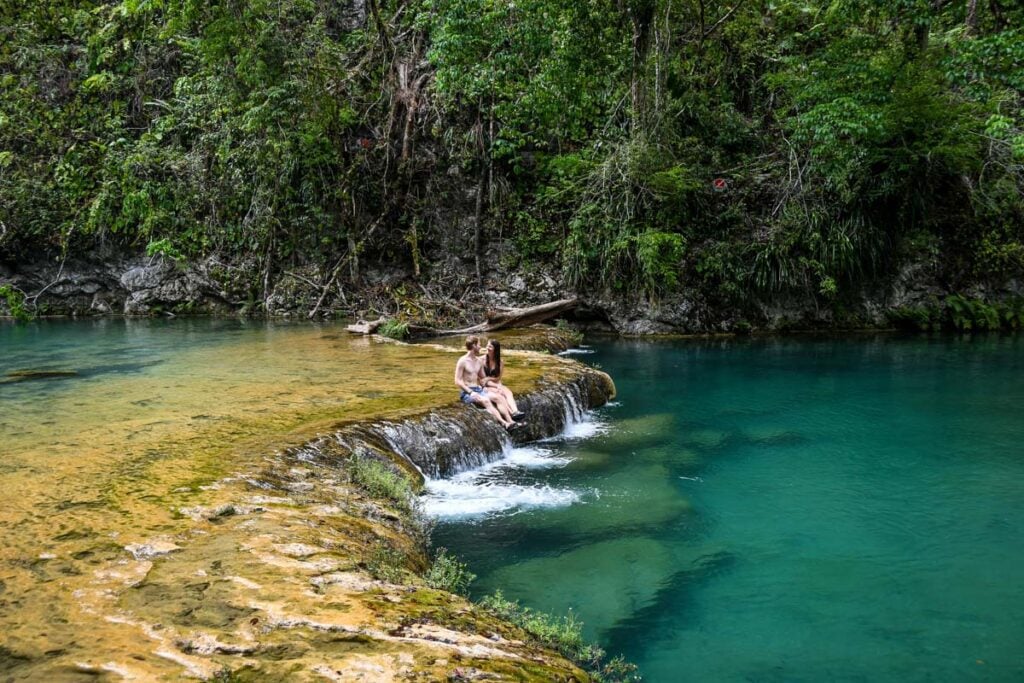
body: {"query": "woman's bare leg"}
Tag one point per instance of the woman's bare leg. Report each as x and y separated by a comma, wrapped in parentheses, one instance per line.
(486, 402)
(498, 398)
(509, 399)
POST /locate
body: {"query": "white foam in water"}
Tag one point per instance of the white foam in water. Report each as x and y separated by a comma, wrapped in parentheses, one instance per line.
(533, 457)
(589, 425)
(451, 498)
(585, 428)
(526, 457)
(473, 493)
(476, 493)
(575, 352)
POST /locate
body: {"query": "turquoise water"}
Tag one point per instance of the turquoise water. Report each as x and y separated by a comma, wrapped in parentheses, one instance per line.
(775, 510)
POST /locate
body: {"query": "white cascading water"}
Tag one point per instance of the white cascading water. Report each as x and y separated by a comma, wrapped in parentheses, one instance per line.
(488, 490)
(578, 351)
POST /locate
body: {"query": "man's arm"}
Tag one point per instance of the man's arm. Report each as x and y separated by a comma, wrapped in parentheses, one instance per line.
(458, 375)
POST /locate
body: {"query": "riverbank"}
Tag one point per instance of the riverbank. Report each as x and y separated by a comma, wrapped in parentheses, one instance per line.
(189, 548)
(915, 298)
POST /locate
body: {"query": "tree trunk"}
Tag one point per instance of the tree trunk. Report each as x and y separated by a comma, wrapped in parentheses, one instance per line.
(518, 317)
(478, 212)
(641, 28)
(971, 21)
(353, 264)
(496, 320)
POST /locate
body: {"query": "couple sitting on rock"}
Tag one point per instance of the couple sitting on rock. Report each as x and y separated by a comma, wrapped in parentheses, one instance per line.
(479, 378)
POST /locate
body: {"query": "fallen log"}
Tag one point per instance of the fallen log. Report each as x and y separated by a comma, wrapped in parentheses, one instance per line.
(496, 320)
(363, 327)
(517, 317)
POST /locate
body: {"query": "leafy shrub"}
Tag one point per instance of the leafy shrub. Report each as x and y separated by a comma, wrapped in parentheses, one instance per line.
(386, 563)
(394, 329)
(15, 303)
(574, 336)
(446, 573)
(660, 255)
(966, 314)
(164, 247)
(1011, 313)
(380, 481)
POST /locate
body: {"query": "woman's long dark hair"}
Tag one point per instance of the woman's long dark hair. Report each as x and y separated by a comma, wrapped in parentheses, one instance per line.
(497, 357)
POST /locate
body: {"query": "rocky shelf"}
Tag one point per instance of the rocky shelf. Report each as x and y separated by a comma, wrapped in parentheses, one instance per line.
(304, 569)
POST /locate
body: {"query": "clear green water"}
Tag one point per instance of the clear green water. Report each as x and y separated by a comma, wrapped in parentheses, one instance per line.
(782, 510)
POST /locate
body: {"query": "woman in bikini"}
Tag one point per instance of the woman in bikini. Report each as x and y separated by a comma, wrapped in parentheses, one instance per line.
(493, 369)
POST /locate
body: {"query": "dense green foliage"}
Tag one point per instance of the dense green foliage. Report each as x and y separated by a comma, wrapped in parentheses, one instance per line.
(961, 314)
(15, 301)
(850, 136)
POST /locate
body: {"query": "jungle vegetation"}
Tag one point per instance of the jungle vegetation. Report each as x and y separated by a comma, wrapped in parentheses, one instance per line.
(742, 147)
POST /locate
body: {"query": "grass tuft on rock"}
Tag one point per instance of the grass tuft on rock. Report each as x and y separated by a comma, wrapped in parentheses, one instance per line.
(448, 574)
(380, 481)
(565, 635)
(386, 563)
(394, 329)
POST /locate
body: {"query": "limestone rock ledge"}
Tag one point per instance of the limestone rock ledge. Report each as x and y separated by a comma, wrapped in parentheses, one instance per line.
(444, 441)
(301, 572)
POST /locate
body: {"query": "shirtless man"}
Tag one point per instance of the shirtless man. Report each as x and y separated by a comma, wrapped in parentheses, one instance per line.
(469, 373)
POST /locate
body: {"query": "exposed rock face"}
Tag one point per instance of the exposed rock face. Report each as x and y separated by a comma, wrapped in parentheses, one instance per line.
(141, 285)
(122, 286)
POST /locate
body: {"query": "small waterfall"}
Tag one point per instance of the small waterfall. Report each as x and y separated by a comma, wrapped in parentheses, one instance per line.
(460, 438)
(573, 405)
(440, 445)
(487, 490)
(555, 412)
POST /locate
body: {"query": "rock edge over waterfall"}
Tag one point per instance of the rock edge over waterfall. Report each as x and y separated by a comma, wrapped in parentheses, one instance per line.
(445, 441)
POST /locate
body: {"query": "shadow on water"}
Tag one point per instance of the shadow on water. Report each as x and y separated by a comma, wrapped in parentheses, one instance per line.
(529, 536)
(30, 375)
(633, 635)
(52, 374)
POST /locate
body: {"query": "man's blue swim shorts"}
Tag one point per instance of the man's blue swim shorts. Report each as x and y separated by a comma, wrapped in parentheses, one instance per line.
(467, 397)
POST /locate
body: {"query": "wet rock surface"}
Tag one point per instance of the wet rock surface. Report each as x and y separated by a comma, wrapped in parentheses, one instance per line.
(292, 570)
(459, 437)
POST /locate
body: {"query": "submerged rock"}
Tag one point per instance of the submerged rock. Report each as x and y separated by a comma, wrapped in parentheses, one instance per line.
(628, 573)
(26, 375)
(616, 509)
